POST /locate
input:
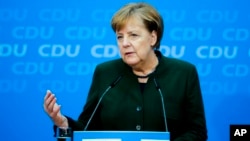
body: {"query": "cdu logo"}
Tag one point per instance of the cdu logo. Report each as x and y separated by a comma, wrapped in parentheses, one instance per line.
(239, 132)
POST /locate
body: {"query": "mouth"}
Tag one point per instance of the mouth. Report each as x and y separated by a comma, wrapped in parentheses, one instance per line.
(129, 53)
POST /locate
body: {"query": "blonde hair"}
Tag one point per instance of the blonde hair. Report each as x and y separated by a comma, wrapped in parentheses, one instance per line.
(149, 15)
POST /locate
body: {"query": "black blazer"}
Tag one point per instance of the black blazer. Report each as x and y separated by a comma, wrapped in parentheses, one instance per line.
(125, 107)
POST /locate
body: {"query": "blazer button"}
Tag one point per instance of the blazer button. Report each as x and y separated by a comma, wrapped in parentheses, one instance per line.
(138, 108)
(138, 127)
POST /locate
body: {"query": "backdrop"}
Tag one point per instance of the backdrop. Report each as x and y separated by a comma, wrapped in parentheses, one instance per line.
(57, 44)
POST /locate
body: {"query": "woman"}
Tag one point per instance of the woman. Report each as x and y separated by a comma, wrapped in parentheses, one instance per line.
(137, 83)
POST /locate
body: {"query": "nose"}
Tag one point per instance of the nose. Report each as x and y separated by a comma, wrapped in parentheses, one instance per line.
(125, 42)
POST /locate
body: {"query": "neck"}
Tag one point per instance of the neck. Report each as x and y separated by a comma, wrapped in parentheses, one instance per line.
(146, 71)
(144, 76)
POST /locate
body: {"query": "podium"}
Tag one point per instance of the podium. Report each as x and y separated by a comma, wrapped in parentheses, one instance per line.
(120, 136)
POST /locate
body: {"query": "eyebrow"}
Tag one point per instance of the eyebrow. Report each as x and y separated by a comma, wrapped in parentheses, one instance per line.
(130, 32)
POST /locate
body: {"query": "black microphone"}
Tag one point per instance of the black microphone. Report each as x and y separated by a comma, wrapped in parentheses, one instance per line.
(162, 103)
(113, 84)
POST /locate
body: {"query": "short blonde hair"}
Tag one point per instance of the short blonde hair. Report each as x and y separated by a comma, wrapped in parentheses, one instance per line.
(149, 15)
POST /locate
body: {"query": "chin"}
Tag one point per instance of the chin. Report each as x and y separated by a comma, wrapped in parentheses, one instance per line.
(131, 62)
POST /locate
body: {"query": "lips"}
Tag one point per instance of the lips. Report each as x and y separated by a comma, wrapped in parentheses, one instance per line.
(128, 53)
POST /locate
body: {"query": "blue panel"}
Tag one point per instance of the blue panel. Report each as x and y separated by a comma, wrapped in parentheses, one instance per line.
(56, 45)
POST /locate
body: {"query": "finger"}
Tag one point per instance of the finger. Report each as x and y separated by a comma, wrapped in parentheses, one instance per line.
(48, 93)
(49, 99)
(50, 105)
(45, 102)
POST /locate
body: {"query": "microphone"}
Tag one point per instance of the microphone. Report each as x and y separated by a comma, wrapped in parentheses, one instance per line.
(113, 84)
(162, 103)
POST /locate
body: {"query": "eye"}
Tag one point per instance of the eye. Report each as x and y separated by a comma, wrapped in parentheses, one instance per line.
(119, 37)
(134, 35)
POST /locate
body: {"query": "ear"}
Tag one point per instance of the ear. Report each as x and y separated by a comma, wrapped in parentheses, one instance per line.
(153, 38)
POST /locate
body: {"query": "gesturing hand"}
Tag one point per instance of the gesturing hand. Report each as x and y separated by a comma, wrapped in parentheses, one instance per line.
(53, 109)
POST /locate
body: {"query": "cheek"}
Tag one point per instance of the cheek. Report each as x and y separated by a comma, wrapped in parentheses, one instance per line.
(142, 45)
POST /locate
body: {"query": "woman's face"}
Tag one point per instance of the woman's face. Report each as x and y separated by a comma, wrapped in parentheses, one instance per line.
(135, 42)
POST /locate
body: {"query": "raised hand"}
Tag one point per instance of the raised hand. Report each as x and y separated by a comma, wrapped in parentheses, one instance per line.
(54, 110)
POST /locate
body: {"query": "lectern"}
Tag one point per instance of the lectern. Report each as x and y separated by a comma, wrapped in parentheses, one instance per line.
(120, 136)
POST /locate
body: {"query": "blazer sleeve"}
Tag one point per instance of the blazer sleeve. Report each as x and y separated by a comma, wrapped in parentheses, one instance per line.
(194, 112)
